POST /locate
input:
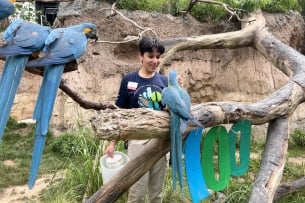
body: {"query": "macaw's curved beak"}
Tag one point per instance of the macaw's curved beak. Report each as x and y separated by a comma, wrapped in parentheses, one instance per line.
(93, 34)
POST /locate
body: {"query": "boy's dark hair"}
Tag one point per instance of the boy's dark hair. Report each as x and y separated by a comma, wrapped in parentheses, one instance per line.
(147, 44)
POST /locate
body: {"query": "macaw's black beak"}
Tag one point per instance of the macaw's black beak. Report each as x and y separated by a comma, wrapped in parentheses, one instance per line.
(93, 35)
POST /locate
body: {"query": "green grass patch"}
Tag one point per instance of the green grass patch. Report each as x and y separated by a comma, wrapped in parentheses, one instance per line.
(16, 154)
(211, 12)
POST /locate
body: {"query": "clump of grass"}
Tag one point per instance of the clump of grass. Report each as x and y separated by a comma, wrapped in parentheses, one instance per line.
(82, 174)
(16, 148)
(298, 137)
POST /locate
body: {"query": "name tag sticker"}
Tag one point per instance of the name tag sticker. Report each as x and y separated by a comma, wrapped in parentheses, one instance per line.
(132, 85)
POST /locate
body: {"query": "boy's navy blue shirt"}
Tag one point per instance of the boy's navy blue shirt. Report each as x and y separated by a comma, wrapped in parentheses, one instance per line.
(137, 92)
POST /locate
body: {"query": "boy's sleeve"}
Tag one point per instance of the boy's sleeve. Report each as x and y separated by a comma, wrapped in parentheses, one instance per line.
(122, 99)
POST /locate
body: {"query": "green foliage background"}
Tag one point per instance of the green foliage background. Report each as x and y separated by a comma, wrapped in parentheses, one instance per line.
(206, 12)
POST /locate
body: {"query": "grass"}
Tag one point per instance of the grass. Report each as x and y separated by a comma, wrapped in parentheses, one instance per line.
(16, 148)
(76, 155)
(211, 12)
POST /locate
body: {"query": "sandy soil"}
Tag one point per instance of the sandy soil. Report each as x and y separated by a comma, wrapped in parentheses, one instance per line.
(19, 194)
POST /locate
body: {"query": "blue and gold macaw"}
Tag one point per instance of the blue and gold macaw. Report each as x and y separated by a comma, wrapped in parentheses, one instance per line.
(178, 101)
(22, 39)
(61, 46)
(7, 8)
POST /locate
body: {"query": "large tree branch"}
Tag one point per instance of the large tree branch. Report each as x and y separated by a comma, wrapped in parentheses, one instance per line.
(288, 188)
(84, 103)
(113, 189)
(125, 124)
(273, 162)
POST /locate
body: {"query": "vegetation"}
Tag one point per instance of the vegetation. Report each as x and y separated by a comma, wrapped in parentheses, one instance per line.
(207, 12)
(76, 155)
(298, 137)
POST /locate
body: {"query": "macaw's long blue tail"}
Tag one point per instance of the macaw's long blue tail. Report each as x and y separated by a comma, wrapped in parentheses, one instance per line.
(9, 82)
(42, 114)
(176, 151)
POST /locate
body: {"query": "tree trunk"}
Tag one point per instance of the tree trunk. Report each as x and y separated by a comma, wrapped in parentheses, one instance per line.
(132, 171)
(273, 162)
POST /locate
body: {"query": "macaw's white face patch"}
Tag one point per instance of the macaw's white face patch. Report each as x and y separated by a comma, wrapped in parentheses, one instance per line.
(132, 85)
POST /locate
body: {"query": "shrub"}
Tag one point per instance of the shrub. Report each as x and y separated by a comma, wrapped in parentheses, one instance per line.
(298, 137)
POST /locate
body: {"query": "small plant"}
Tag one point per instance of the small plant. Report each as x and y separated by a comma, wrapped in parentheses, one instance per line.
(66, 145)
(298, 137)
(12, 124)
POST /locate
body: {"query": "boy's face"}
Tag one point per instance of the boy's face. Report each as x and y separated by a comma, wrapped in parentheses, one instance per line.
(150, 60)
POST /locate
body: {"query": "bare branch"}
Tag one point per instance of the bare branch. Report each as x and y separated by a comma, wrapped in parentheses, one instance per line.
(273, 162)
(86, 104)
(144, 29)
(288, 188)
(229, 9)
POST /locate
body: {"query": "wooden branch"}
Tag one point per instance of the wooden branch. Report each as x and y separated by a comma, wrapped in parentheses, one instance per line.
(288, 188)
(132, 171)
(229, 9)
(237, 39)
(273, 162)
(144, 29)
(86, 104)
(284, 57)
(143, 123)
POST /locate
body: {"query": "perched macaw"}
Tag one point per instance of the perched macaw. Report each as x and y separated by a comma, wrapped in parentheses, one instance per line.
(22, 39)
(178, 102)
(7, 8)
(61, 46)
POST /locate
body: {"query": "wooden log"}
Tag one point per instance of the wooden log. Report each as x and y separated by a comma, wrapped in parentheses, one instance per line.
(71, 66)
(273, 162)
(123, 124)
(288, 188)
(132, 171)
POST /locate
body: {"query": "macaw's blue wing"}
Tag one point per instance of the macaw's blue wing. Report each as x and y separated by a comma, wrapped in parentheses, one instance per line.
(6, 9)
(171, 98)
(22, 39)
(185, 100)
(65, 44)
(61, 46)
(43, 111)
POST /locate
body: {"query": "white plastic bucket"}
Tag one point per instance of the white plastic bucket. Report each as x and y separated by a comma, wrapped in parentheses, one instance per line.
(109, 166)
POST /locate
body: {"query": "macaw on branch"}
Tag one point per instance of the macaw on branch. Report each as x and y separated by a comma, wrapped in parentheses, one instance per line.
(178, 101)
(22, 39)
(61, 46)
(6, 8)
